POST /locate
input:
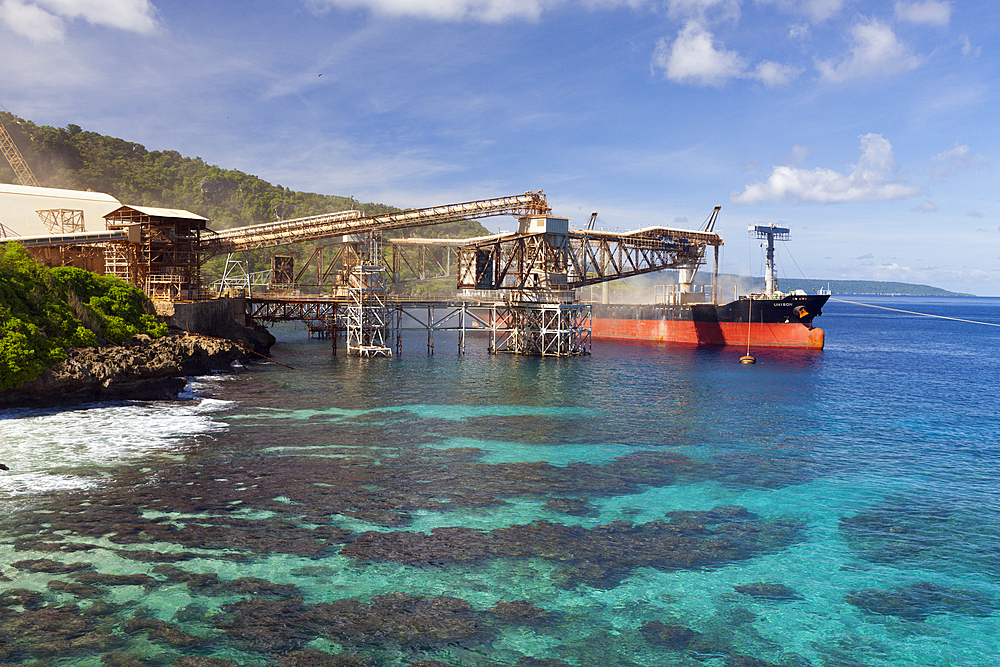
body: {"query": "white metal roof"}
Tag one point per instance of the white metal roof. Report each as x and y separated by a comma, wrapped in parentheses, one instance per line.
(164, 212)
(19, 205)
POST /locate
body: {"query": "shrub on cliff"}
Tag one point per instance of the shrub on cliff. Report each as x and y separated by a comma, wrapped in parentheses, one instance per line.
(44, 311)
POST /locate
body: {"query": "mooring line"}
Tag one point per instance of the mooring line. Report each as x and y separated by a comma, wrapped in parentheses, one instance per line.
(911, 312)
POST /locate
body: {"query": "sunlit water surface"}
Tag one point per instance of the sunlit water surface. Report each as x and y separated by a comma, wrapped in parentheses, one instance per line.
(646, 505)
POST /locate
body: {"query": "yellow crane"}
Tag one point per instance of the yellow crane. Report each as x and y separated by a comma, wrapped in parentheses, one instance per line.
(16, 160)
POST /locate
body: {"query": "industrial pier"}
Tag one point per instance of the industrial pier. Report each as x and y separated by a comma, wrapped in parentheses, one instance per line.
(520, 287)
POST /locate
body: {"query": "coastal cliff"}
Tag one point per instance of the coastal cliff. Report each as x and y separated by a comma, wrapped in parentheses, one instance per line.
(142, 368)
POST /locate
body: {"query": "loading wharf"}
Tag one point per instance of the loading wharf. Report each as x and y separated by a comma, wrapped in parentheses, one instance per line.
(371, 329)
(520, 286)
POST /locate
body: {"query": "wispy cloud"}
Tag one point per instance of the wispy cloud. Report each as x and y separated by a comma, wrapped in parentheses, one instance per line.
(703, 9)
(875, 51)
(489, 11)
(968, 50)
(798, 154)
(955, 161)
(871, 179)
(45, 20)
(930, 12)
(775, 75)
(816, 11)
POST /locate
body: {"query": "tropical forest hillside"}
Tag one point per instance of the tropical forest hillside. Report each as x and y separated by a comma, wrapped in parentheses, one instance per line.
(76, 159)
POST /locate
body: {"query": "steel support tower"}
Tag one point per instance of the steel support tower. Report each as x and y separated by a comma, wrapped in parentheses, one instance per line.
(367, 313)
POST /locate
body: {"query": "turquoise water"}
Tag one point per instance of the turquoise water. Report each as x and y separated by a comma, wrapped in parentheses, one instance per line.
(647, 505)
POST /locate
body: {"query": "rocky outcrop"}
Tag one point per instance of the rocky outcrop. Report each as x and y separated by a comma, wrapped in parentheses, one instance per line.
(221, 318)
(141, 369)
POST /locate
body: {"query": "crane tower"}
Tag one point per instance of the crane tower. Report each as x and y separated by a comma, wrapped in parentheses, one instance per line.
(16, 160)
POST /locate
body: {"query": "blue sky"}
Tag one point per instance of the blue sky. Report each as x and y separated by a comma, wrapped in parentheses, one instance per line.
(869, 128)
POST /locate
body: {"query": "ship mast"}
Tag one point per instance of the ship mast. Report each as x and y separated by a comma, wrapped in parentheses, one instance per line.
(770, 232)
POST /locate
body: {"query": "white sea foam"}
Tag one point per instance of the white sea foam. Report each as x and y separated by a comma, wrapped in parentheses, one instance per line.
(49, 450)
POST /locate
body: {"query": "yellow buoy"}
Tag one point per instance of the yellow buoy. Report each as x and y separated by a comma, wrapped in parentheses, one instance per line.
(747, 360)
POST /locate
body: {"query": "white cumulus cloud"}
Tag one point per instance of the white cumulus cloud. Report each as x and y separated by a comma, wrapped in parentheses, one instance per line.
(872, 178)
(695, 57)
(930, 12)
(875, 51)
(45, 20)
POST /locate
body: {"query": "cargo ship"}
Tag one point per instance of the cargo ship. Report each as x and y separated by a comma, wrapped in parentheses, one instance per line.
(768, 319)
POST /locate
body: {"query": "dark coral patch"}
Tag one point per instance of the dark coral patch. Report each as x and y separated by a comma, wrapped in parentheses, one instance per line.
(79, 590)
(267, 626)
(102, 579)
(50, 566)
(600, 556)
(675, 637)
(571, 506)
(522, 613)
(310, 658)
(50, 631)
(411, 623)
(196, 661)
(768, 591)
(919, 601)
(163, 632)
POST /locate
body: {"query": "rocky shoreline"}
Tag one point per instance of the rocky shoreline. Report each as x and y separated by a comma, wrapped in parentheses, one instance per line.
(141, 369)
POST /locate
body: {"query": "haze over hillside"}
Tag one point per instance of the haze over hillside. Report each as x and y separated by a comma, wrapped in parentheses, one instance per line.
(73, 158)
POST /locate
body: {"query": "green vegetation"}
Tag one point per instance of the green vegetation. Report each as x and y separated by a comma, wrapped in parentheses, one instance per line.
(45, 311)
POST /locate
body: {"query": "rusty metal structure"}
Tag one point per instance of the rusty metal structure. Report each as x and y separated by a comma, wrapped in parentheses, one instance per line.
(162, 256)
(21, 169)
(368, 313)
(62, 220)
(522, 284)
(354, 223)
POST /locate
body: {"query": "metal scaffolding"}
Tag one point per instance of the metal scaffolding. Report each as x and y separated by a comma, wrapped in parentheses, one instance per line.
(162, 255)
(541, 329)
(367, 313)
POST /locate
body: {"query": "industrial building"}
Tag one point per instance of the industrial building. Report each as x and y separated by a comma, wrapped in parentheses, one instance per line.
(30, 214)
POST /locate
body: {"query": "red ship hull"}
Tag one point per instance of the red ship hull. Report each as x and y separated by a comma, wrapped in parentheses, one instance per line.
(704, 333)
(785, 322)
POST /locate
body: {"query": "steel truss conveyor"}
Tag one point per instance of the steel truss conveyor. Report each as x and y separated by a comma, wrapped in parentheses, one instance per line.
(538, 268)
(346, 223)
(578, 258)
